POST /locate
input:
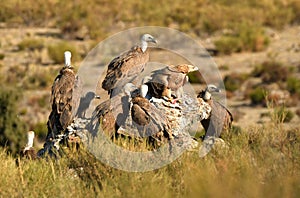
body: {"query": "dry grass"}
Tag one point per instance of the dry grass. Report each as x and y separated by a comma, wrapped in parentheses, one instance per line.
(259, 161)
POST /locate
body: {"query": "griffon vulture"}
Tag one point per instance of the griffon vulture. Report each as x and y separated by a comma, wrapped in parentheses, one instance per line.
(168, 79)
(220, 118)
(125, 67)
(28, 151)
(64, 99)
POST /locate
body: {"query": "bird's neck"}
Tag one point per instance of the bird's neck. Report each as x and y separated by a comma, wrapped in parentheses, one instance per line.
(207, 96)
(144, 45)
(67, 62)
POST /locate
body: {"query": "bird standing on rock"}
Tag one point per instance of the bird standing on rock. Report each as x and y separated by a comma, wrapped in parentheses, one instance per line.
(127, 66)
(169, 79)
(220, 118)
(64, 99)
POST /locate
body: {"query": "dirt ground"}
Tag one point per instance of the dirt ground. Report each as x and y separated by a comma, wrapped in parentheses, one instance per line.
(284, 47)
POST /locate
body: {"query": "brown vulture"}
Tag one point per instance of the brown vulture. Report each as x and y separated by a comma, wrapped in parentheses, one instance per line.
(220, 118)
(127, 66)
(168, 79)
(64, 99)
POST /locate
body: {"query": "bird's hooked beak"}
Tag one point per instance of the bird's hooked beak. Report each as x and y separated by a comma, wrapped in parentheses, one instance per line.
(153, 40)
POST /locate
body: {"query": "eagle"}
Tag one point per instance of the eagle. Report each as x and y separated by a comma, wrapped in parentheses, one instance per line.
(220, 118)
(64, 99)
(127, 66)
(168, 79)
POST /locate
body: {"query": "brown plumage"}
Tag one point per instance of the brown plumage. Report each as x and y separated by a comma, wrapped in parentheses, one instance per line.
(148, 119)
(64, 99)
(220, 118)
(103, 115)
(168, 79)
(111, 114)
(127, 66)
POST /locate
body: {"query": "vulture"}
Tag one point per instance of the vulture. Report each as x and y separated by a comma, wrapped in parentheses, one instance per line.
(168, 79)
(220, 118)
(127, 66)
(148, 119)
(112, 113)
(64, 99)
(129, 111)
(28, 151)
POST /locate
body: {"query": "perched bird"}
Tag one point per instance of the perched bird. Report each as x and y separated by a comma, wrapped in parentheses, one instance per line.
(28, 151)
(148, 119)
(126, 67)
(220, 118)
(129, 111)
(168, 79)
(112, 113)
(64, 99)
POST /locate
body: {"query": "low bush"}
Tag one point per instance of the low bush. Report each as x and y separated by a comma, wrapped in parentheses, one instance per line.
(293, 85)
(257, 96)
(246, 38)
(271, 71)
(56, 52)
(12, 129)
(283, 115)
(31, 44)
(234, 81)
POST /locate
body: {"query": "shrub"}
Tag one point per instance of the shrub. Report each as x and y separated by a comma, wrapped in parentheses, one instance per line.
(257, 96)
(247, 38)
(228, 45)
(2, 56)
(31, 44)
(56, 52)
(233, 81)
(271, 71)
(293, 85)
(12, 129)
(40, 130)
(282, 114)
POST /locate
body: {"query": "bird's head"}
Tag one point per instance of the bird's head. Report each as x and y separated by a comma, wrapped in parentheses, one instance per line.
(185, 68)
(145, 39)
(130, 90)
(68, 56)
(212, 88)
(148, 38)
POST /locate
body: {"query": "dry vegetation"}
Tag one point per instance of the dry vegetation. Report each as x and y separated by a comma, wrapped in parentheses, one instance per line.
(260, 160)
(256, 162)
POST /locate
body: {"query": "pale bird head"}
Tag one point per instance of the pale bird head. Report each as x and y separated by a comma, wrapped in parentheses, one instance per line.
(148, 38)
(212, 88)
(129, 88)
(68, 56)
